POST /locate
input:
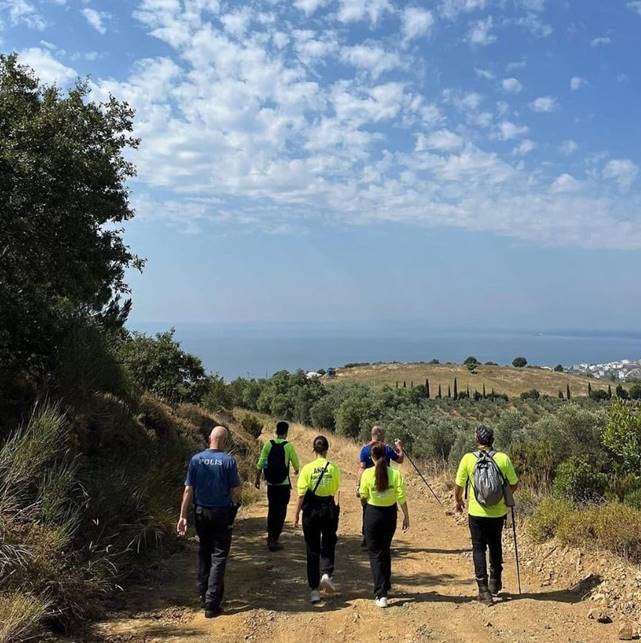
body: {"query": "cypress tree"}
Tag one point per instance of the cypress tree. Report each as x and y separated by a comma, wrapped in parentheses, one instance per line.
(396, 383)
(609, 392)
(412, 384)
(440, 395)
(404, 384)
(560, 394)
(468, 390)
(455, 388)
(484, 395)
(589, 390)
(427, 388)
(568, 393)
(449, 391)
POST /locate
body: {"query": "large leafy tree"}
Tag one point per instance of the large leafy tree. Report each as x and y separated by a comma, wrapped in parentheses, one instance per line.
(63, 196)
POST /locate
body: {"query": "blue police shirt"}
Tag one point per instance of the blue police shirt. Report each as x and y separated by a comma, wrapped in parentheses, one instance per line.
(366, 455)
(212, 474)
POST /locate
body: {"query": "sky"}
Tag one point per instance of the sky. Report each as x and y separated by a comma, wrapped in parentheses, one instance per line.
(469, 163)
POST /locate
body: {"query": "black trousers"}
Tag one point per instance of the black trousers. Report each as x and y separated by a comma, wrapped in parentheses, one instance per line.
(486, 535)
(380, 525)
(277, 500)
(214, 530)
(320, 524)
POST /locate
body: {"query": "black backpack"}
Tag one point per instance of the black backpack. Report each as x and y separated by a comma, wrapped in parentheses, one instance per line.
(277, 468)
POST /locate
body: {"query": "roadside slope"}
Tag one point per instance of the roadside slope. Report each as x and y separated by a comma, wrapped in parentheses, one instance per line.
(433, 593)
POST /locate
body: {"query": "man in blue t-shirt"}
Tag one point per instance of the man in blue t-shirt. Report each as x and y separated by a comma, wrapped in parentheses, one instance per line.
(213, 487)
(365, 461)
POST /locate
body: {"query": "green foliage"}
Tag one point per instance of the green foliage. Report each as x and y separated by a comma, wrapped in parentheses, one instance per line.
(519, 362)
(532, 394)
(621, 393)
(471, 360)
(559, 368)
(577, 480)
(622, 434)
(158, 365)
(63, 180)
(599, 395)
(635, 391)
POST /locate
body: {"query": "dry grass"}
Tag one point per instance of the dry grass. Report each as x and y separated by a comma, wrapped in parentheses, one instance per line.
(20, 615)
(502, 379)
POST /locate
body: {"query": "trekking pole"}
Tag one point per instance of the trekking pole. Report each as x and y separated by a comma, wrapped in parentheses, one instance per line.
(427, 484)
(516, 552)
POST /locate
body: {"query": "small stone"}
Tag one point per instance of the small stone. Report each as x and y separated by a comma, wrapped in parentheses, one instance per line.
(626, 632)
(488, 624)
(599, 616)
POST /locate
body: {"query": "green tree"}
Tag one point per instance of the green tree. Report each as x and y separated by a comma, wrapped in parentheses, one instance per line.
(519, 362)
(559, 368)
(577, 480)
(622, 435)
(159, 365)
(440, 394)
(427, 388)
(568, 392)
(63, 181)
(455, 389)
(471, 360)
(621, 393)
(635, 392)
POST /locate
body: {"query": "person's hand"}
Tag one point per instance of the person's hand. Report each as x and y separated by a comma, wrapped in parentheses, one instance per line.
(406, 523)
(460, 505)
(181, 527)
(358, 491)
(296, 520)
(398, 444)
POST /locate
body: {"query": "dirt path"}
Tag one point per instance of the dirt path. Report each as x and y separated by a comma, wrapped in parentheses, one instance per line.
(432, 598)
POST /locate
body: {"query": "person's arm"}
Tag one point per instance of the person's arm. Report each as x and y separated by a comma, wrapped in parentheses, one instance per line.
(235, 494)
(406, 516)
(400, 451)
(260, 465)
(299, 506)
(293, 458)
(458, 498)
(362, 465)
(188, 495)
(510, 474)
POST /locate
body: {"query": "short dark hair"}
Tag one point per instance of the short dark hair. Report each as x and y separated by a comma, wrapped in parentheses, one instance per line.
(321, 444)
(484, 435)
(282, 427)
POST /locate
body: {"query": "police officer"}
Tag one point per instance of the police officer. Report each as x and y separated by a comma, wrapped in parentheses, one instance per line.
(213, 487)
(318, 483)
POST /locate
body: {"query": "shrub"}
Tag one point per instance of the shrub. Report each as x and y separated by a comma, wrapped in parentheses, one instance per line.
(519, 362)
(558, 368)
(633, 499)
(635, 392)
(252, 425)
(20, 616)
(623, 434)
(532, 394)
(599, 395)
(576, 480)
(550, 513)
(217, 394)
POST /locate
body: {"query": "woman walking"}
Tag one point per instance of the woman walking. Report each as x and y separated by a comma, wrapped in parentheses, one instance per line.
(382, 489)
(317, 485)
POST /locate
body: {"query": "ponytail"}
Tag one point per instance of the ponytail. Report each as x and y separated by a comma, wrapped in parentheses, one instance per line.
(380, 471)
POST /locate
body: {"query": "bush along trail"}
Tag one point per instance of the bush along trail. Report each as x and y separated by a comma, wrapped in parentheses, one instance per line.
(432, 598)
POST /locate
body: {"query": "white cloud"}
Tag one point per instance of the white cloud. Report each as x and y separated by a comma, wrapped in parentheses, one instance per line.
(509, 131)
(525, 147)
(569, 147)
(452, 8)
(95, 19)
(416, 22)
(622, 171)
(600, 41)
(47, 68)
(544, 104)
(484, 73)
(442, 141)
(635, 5)
(565, 183)
(576, 82)
(512, 85)
(23, 12)
(372, 58)
(480, 33)
(237, 22)
(309, 6)
(355, 10)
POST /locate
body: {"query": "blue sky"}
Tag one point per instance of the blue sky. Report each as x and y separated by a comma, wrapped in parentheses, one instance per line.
(462, 162)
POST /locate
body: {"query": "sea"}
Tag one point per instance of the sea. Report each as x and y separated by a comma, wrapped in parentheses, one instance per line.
(261, 349)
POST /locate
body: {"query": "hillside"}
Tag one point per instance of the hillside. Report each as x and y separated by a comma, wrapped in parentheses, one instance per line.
(503, 379)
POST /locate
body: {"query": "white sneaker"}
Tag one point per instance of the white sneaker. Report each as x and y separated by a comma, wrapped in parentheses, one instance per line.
(381, 602)
(327, 584)
(315, 596)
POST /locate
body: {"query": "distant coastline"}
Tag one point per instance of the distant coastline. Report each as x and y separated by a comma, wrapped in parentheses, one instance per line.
(260, 349)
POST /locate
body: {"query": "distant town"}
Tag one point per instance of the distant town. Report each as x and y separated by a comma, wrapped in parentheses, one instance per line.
(625, 369)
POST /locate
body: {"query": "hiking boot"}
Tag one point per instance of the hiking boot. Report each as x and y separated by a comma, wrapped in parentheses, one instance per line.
(495, 585)
(485, 595)
(213, 613)
(327, 584)
(315, 596)
(273, 545)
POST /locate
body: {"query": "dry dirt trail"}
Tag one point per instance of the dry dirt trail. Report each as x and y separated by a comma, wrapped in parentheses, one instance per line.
(267, 598)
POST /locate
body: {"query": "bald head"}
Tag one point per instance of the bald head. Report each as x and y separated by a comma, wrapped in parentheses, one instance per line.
(378, 434)
(218, 437)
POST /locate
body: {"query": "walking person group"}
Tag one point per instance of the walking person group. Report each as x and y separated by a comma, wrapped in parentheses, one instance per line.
(485, 478)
